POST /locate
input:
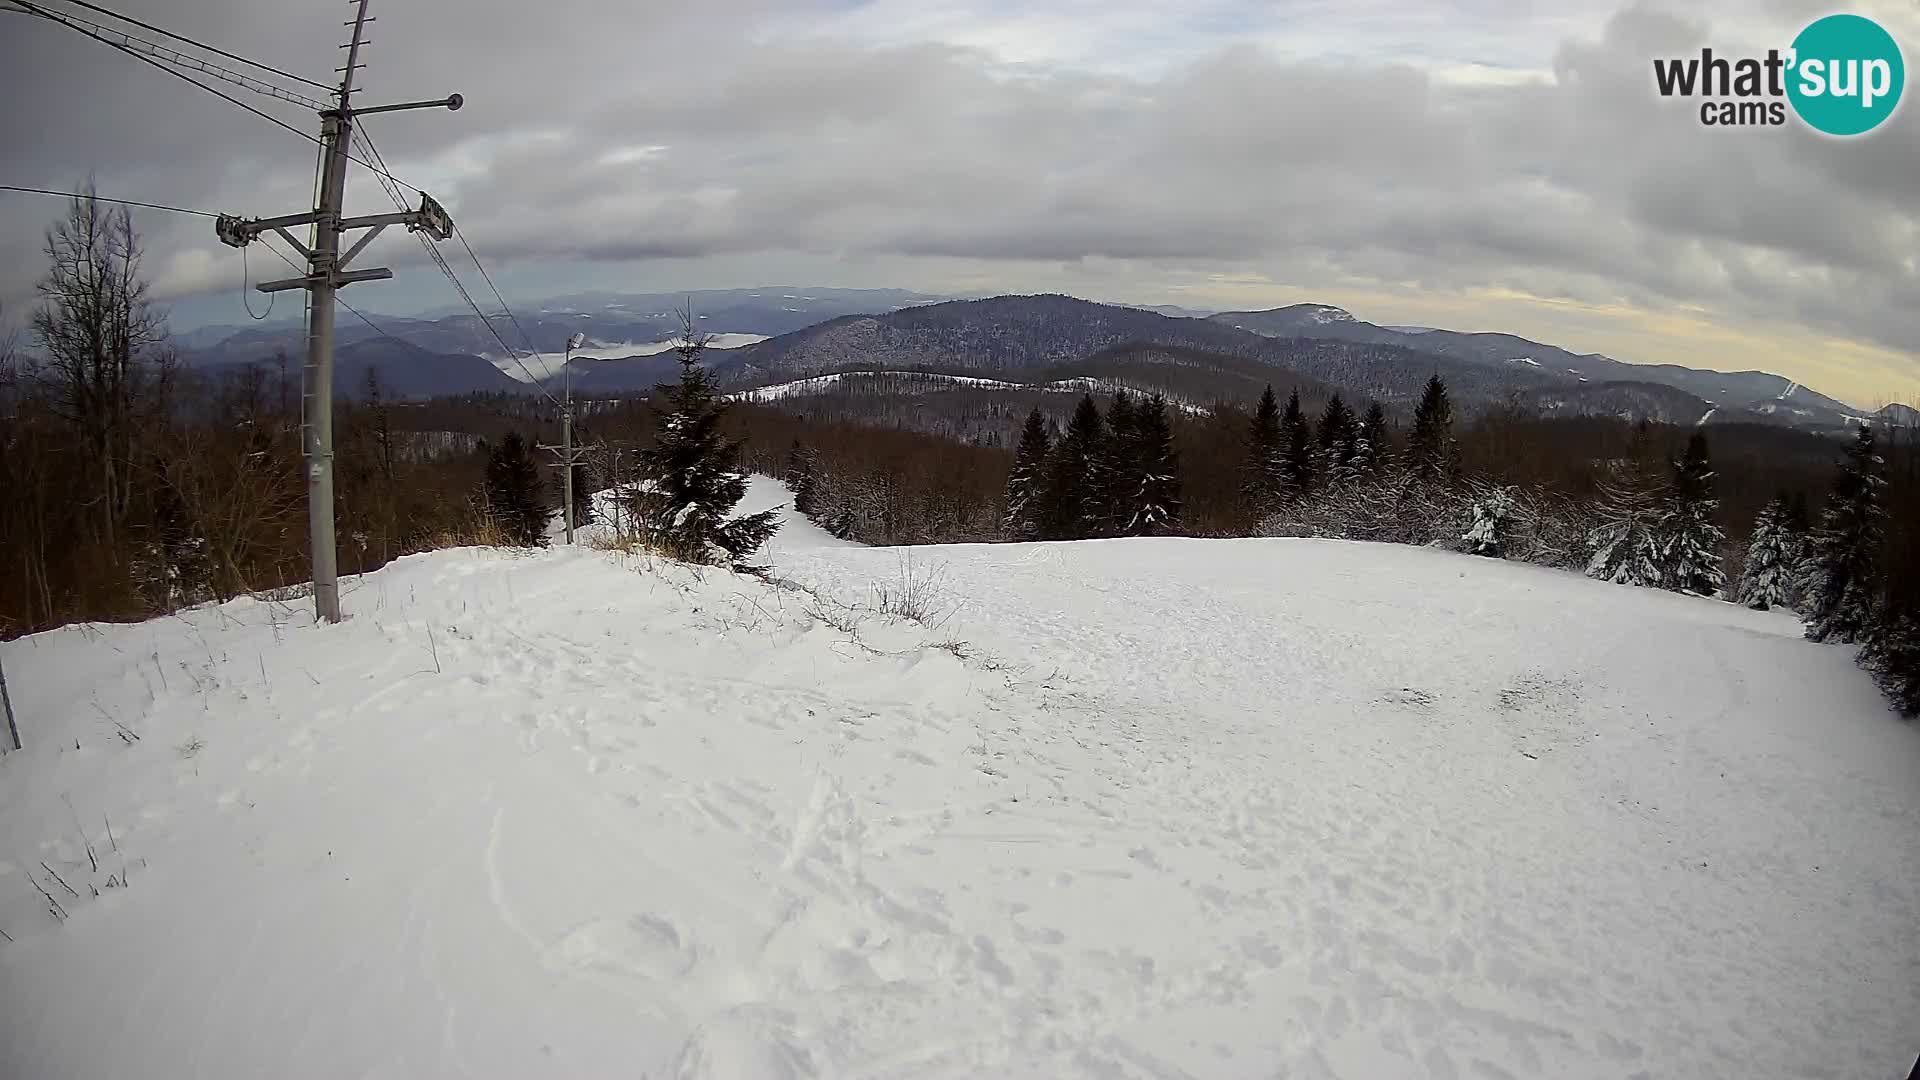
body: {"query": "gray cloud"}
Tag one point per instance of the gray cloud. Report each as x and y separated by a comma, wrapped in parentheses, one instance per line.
(596, 131)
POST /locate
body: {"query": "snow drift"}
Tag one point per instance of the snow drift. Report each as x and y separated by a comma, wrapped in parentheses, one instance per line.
(1122, 808)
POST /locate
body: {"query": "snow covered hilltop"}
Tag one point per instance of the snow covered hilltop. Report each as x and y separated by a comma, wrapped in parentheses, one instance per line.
(1151, 807)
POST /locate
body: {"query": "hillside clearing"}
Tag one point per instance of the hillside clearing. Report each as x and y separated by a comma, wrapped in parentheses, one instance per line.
(1150, 808)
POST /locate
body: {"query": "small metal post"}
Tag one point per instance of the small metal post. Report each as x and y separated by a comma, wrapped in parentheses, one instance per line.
(6, 704)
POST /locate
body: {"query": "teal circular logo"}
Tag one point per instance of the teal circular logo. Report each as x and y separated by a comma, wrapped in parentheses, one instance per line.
(1847, 75)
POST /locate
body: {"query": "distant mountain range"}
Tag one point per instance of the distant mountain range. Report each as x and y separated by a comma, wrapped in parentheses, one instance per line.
(468, 357)
(1031, 338)
(1742, 395)
(795, 333)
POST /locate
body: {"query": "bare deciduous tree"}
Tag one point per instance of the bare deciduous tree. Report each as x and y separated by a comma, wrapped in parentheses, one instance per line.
(104, 361)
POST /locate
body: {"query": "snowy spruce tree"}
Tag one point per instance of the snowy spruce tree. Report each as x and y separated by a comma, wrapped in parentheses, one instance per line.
(801, 473)
(1296, 449)
(1891, 653)
(1773, 559)
(1432, 453)
(843, 523)
(1154, 506)
(1690, 540)
(1626, 544)
(1846, 547)
(514, 494)
(1492, 527)
(1799, 529)
(1026, 482)
(690, 479)
(1073, 504)
(1263, 478)
(1339, 441)
(1372, 448)
(1121, 465)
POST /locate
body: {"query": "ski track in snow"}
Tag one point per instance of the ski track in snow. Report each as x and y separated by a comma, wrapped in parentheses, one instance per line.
(1152, 808)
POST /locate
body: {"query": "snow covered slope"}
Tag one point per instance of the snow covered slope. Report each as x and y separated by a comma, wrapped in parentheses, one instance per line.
(763, 493)
(1142, 808)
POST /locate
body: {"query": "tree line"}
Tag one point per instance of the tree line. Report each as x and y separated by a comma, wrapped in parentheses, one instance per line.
(1634, 514)
(1112, 474)
(136, 486)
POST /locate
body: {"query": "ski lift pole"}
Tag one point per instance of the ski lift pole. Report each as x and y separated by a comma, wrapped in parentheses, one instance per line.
(6, 705)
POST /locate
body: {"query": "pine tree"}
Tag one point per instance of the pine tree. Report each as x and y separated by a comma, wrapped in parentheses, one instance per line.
(514, 493)
(1372, 450)
(1076, 477)
(1263, 478)
(1891, 653)
(1339, 441)
(1846, 547)
(1296, 449)
(1431, 450)
(1690, 540)
(1155, 503)
(1798, 521)
(801, 476)
(1626, 545)
(690, 479)
(1492, 526)
(1026, 483)
(1121, 465)
(1767, 576)
(842, 523)
(1799, 531)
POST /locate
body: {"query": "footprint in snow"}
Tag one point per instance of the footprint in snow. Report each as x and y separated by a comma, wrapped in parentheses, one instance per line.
(746, 1041)
(643, 946)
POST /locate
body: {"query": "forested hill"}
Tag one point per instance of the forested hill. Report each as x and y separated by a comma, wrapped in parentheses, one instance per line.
(1033, 338)
(1027, 337)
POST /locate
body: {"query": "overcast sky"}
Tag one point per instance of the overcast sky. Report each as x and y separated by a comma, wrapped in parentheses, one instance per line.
(1474, 164)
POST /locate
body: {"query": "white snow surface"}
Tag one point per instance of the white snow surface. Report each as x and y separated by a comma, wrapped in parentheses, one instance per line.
(1133, 808)
(763, 493)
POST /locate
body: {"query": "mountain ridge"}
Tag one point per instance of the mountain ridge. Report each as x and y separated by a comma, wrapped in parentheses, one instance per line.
(1022, 337)
(1721, 389)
